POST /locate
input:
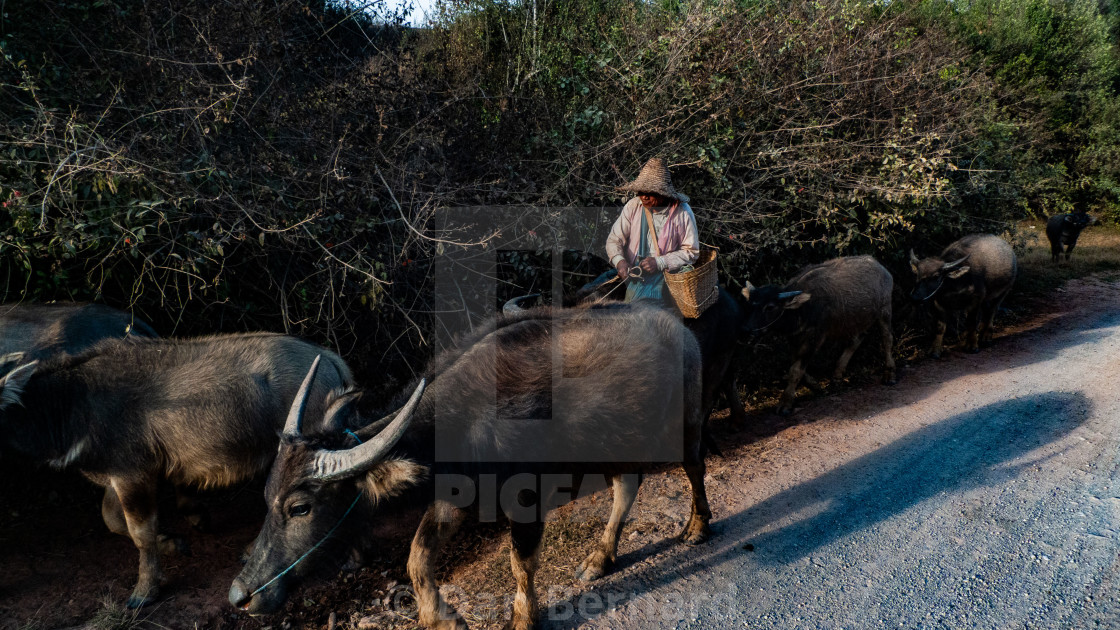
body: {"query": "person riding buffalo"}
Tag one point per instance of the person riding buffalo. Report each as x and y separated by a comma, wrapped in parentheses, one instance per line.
(654, 233)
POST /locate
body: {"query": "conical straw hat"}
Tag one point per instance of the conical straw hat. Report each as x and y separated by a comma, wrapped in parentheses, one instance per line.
(654, 178)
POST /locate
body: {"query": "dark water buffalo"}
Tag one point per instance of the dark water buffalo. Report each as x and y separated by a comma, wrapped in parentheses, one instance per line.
(717, 329)
(1063, 229)
(972, 275)
(127, 413)
(513, 422)
(839, 299)
(41, 331)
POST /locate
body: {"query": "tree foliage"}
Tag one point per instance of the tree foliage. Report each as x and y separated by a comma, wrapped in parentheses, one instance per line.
(279, 166)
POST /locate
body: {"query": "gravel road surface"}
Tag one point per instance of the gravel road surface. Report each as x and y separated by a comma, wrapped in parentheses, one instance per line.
(981, 492)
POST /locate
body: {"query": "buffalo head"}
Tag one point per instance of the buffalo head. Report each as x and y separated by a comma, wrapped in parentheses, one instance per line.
(315, 482)
(932, 273)
(766, 305)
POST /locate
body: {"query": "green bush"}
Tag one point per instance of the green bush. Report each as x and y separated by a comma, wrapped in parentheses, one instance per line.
(279, 166)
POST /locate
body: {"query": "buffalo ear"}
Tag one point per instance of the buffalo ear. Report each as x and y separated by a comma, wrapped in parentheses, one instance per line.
(798, 300)
(12, 384)
(747, 288)
(958, 272)
(390, 478)
(10, 361)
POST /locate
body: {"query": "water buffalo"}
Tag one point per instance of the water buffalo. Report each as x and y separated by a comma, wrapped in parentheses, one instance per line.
(838, 299)
(128, 413)
(41, 331)
(973, 275)
(1063, 229)
(513, 420)
(717, 329)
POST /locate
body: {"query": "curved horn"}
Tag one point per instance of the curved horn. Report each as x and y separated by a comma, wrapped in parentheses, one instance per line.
(295, 414)
(514, 305)
(913, 258)
(340, 409)
(334, 465)
(789, 294)
(373, 428)
(949, 266)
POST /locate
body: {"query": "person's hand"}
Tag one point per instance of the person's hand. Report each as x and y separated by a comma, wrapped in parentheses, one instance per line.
(649, 264)
(623, 269)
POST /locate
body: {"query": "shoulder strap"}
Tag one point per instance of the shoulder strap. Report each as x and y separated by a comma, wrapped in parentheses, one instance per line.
(652, 232)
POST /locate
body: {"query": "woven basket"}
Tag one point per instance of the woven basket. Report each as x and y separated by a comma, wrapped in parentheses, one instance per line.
(696, 290)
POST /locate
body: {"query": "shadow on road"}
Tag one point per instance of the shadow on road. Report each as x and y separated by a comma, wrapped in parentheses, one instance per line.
(982, 447)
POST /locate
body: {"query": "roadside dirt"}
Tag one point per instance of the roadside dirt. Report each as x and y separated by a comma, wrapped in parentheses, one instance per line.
(786, 494)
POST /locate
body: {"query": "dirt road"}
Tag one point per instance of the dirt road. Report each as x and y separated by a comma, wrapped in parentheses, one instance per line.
(980, 492)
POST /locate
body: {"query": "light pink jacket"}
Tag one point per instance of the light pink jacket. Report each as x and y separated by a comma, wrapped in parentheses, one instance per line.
(677, 239)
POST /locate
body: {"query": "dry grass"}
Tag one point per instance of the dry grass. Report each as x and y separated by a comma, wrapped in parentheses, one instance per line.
(115, 616)
(1097, 251)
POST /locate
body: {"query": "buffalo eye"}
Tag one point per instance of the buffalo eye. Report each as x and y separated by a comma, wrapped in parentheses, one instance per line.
(301, 509)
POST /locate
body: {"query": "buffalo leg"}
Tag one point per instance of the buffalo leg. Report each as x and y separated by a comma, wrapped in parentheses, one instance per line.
(525, 539)
(889, 376)
(112, 512)
(972, 324)
(696, 530)
(625, 488)
(846, 356)
(138, 504)
(796, 372)
(113, 515)
(938, 333)
(988, 318)
(438, 525)
(1069, 251)
(731, 393)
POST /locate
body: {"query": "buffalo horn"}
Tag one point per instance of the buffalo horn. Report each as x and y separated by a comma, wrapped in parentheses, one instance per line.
(788, 294)
(953, 265)
(340, 409)
(295, 414)
(514, 305)
(913, 259)
(334, 465)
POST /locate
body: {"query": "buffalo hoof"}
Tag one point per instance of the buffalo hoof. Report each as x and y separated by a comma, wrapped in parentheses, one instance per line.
(889, 378)
(974, 350)
(523, 624)
(449, 624)
(139, 600)
(785, 410)
(594, 566)
(696, 532)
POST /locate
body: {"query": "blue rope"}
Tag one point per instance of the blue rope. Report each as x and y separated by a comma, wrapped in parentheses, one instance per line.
(318, 544)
